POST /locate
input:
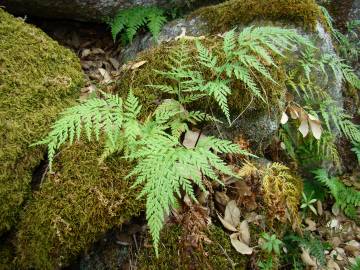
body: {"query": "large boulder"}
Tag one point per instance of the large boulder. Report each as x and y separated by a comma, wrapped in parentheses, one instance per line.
(305, 16)
(83, 10)
(38, 79)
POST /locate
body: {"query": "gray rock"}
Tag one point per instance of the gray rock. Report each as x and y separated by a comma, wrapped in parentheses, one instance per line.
(82, 10)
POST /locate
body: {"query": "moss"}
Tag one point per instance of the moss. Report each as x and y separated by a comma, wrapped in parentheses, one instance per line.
(38, 78)
(222, 17)
(217, 253)
(74, 207)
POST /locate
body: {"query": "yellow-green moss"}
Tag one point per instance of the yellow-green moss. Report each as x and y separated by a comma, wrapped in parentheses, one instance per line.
(218, 253)
(74, 206)
(222, 17)
(38, 79)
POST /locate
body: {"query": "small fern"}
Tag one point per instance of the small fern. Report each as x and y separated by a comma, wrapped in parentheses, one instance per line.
(348, 199)
(356, 150)
(131, 20)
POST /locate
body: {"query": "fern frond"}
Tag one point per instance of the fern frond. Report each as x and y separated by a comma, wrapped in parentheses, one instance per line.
(131, 20)
(94, 116)
(348, 199)
(356, 150)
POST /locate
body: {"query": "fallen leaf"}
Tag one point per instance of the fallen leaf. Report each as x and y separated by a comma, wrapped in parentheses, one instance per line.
(232, 213)
(190, 139)
(306, 258)
(311, 225)
(315, 126)
(331, 265)
(138, 64)
(244, 232)
(226, 224)
(294, 112)
(304, 128)
(85, 53)
(240, 247)
(105, 75)
(115, 63)
(284, 118)
(221, 198)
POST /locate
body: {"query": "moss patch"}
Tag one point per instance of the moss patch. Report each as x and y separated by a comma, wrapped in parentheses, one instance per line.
(38, 78)
(74, 207)
(169, 251)
(222, 17)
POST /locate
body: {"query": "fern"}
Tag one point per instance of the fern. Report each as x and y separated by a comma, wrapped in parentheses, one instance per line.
(315, 246)
(95, 116)
(348, 199)
(131, 20)
(164, 166)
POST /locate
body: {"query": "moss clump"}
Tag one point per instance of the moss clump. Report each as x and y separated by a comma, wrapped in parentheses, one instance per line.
(74, 207)
(38, 79)
(222, 17)
(218, 253)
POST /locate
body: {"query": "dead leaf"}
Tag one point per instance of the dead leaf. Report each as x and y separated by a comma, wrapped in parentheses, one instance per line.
(307, 259)
(331, 265)
(190, 139)
(315, 126)
(304, 128)
(138, 64)
(105, 75)
(97, 51)
(221, 198)
(240, 247)
(115, 63)
(227, 225)
(232, 213)
(284, 118)
(311, 225)
(85, 53)
(294, 112)
(244, 232)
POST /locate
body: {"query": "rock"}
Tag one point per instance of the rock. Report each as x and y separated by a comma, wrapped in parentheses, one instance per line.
(303, 15)
(38, 79)
(82, 10)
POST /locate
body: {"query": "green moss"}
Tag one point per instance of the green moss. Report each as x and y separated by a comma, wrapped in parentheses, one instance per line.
(218, 253)
(222, 17)
(38, 78)
(74, 207)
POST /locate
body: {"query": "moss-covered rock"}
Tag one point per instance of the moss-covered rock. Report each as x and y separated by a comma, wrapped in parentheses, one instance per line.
(38, 78)
(219, 254)
(74, 207)
(256, 114)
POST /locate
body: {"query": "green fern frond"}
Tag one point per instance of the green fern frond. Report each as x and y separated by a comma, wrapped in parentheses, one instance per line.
(348, 199)
(93, 116)
(131, 20)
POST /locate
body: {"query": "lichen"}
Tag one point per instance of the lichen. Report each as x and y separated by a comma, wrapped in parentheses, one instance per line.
(38, 79)
(222, 17)
(74, 207)
(219, 254)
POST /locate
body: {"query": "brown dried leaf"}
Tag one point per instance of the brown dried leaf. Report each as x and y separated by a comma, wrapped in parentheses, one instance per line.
(284, 118)
(306, 258)
(315, 126)
(311, 225)
(304, 128)
(138, 64)
(232, 213)
(240, 246)
(190, 139)
(244, 232)
(115, 63)
(221, 198)
(105, 75)
(227, 225)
